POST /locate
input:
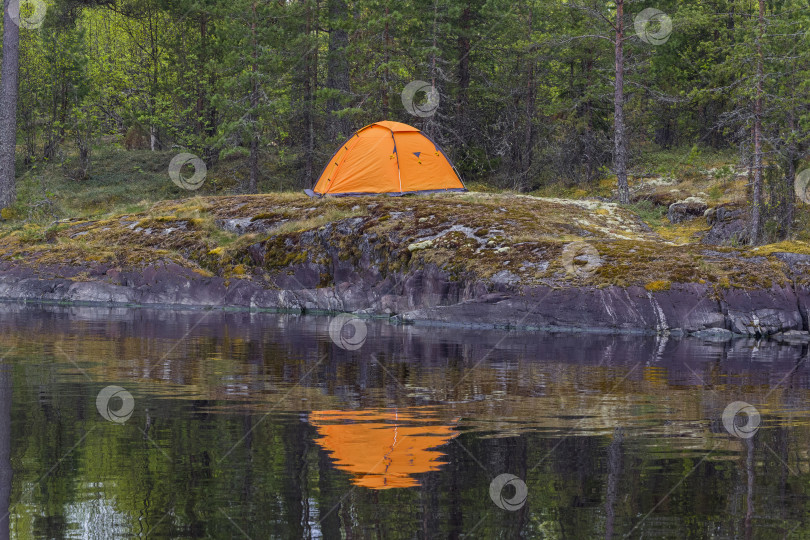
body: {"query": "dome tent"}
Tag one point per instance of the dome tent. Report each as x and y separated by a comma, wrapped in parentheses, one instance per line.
(387, 157)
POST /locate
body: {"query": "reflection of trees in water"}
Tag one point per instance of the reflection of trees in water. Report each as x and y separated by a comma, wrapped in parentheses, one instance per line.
(523, 401)
(614, 463)
(252, 359)
(6, 472)
(280, 479)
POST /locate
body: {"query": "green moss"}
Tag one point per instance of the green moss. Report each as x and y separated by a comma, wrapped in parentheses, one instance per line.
(660, 285)
(279, 254)
(530, 235)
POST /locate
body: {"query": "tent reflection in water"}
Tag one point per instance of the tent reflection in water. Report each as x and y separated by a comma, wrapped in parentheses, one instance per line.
(387, 157)
(382, 449)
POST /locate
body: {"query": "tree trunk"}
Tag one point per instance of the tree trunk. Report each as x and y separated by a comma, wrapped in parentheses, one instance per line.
(337, 67)
(462, 103)
(84, 146)
(429, 125)
(206, 109)
(310, 83)
(530, 99)
(790, 194)
(27, 115)
(8, 107)
(154, 139)
(202, 97)
(756, 211)
(619, 134)
(792, 163)
(386, 71)
(253, 158)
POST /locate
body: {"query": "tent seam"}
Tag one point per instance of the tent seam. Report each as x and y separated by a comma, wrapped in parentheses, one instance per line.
(337, 167)
(396, 151)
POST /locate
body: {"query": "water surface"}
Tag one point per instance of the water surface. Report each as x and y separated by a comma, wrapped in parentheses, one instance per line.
(262, 426)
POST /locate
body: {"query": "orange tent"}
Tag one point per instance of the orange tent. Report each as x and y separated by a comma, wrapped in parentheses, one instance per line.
(383, 449)
(387, 157)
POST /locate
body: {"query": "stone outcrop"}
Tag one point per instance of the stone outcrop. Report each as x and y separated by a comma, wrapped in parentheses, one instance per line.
(730, 225)
(690, 208)
(426, 261)
(432, 296)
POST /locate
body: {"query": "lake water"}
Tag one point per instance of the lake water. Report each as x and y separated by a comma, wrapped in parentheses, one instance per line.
(162, 424)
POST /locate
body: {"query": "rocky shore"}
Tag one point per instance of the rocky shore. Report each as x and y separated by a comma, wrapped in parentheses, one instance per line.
(467, 259)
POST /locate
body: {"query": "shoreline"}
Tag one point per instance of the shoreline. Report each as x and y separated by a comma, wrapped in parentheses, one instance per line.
(87, 294)
(551, 265)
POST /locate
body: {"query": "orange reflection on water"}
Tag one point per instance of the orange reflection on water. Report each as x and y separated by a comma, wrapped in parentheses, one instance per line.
(382, 449)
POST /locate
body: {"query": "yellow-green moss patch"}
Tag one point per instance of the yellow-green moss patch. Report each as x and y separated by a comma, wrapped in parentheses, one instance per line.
(660, 285)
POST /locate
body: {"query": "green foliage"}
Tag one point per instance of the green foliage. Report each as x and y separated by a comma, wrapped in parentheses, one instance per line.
(649, 212)
(526, 90)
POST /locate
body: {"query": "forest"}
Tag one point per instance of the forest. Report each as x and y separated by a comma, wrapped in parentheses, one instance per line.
(521, 95)
(603, 332)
